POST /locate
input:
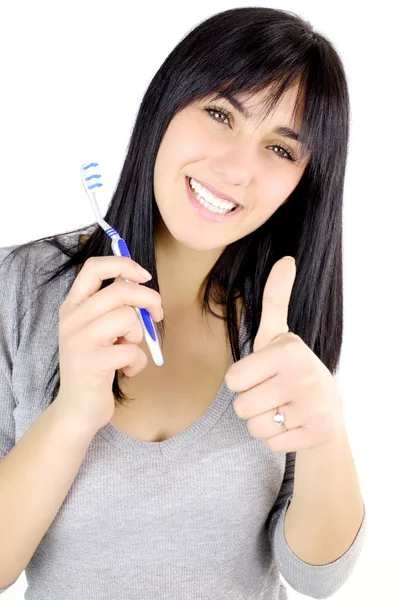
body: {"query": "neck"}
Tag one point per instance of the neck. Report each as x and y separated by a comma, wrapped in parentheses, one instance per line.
(181, 271)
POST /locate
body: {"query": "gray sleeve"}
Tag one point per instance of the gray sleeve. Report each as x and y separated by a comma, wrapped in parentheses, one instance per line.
(317, 581)
(7, 406)
(8, 337)
(8, 295)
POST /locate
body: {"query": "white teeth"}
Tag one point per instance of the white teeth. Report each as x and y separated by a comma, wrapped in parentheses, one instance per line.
(210, 207)
(205, 195)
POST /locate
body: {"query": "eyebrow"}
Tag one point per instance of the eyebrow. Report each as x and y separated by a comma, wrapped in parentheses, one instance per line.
(283, 131)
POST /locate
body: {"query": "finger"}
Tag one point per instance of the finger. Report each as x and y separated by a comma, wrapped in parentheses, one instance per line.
(118, 326)
(262, 398)
(255, 368)
(95, 270)
(275, 304)
(112, 297)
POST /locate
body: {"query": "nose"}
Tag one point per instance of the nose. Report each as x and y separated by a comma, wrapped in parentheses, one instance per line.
(236, 165)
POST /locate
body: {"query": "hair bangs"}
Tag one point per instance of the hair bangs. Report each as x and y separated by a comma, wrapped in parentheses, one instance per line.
(274, 92)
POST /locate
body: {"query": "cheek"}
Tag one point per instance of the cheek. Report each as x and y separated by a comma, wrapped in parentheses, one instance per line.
(167, 161)
(180, 147)
(275, 189)
(189, 137)
(192, 145)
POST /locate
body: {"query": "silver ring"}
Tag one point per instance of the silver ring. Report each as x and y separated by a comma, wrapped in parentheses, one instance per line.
(279, 418)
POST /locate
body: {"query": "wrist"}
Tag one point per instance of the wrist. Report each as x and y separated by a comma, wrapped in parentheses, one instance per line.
(78, 421)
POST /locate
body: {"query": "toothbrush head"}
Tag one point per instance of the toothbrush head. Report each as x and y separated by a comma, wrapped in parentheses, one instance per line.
(90, 182)
(90, 177)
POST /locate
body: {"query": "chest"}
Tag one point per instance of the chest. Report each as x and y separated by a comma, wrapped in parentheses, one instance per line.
(166, 400)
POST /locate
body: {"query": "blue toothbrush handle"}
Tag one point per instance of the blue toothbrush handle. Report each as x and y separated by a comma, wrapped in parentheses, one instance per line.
(120, 248)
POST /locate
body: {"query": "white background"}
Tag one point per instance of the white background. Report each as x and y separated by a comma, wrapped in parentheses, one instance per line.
(72, 78)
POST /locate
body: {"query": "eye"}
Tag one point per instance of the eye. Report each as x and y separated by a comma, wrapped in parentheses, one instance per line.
(214, 111)
(286, 150)
(218, 111)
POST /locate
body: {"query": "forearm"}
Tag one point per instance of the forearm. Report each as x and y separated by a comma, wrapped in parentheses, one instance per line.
(35, 477)
(327, 508)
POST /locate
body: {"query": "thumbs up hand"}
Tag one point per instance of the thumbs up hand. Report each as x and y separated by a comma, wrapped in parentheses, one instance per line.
(284, 373)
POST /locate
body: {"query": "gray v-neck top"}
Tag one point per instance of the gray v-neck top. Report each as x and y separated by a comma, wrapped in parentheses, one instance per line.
(197, 516)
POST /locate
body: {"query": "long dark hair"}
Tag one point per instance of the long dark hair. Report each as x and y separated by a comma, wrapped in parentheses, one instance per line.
(236, 51)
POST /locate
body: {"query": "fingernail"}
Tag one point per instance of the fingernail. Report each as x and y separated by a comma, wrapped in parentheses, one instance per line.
(145, 274)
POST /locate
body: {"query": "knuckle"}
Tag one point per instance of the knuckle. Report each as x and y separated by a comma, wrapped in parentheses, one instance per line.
(134, 355)
(293, 337)
(139, 336)
(140, 355)
(139, 332)
(133, 322)
(124, 291)
(144, 358)
(140, 360)
(292, 343)
(119, 284)
(138, 295)
(91, 262)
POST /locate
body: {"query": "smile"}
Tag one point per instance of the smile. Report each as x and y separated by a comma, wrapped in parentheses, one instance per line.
(211, 202)
(208, 211)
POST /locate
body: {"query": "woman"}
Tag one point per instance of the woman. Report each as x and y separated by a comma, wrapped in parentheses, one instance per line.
(169, 494)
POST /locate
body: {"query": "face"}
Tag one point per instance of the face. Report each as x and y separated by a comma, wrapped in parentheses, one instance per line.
(242, 157)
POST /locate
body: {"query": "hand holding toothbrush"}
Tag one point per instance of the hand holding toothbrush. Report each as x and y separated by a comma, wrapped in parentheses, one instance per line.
(99, 333)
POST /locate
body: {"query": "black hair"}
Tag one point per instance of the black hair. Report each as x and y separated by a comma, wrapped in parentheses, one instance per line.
(246, 50)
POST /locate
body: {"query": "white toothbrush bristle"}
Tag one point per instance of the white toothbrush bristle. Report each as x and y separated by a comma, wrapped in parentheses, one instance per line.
(91, 177)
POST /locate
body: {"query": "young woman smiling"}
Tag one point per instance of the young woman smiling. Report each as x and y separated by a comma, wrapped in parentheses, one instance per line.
(209, 476)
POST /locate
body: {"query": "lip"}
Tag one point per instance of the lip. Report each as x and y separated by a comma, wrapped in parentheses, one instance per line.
(206, 214)
(217, 192)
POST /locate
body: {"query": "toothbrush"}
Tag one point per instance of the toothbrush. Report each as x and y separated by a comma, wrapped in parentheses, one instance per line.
(119, 248)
